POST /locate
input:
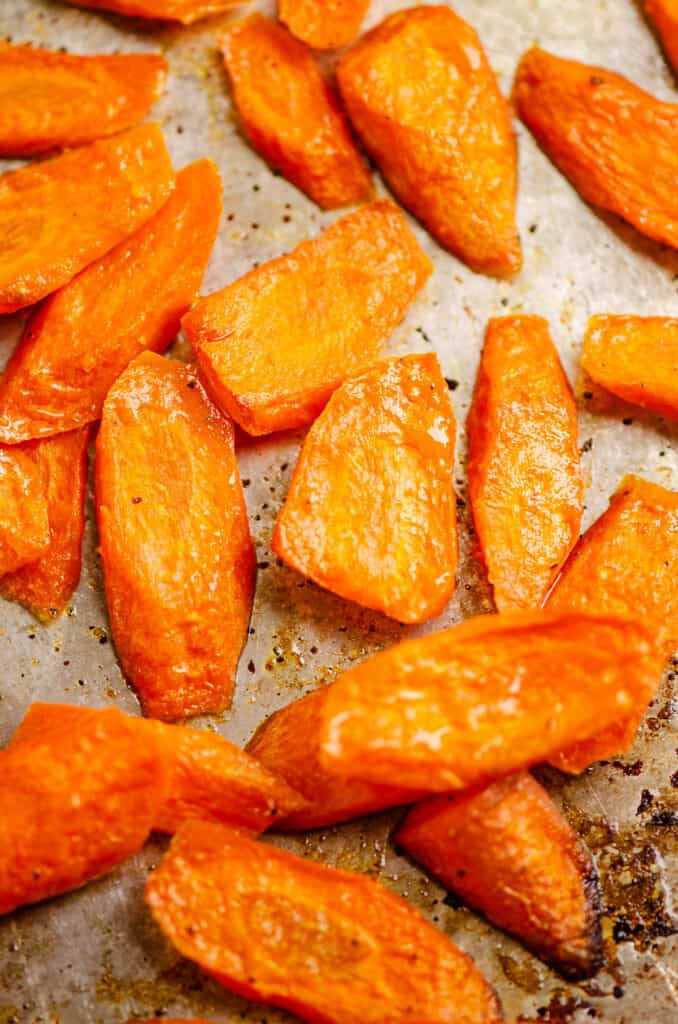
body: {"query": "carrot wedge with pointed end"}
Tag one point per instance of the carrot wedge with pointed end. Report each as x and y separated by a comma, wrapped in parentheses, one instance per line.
(328, 945)
(421, 95)
(50, 100)
(24, 517)
(616, 143)
(496, 694)
(274, 345)
(290, 114)
(371, 511)
(625, 564)
(507, 852)
(132, 299)
(323, 24)
(60, 215)
(177, 553)
(184, 11)
(663, 15)
(45, 585)
(524, 474)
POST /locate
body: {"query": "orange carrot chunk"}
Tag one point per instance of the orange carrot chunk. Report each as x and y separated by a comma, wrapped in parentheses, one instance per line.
(60, 215)
(51, 100)
(636, 358)
(507, 852)
(290, 114)
(328, 945)
(493, 695)
(663, 15)
(625, 564)
(130, 300)
(422, 96)
(274, 345)
(24, 515)
(183, 11)
(175, 542)
(616, 143)
(371, 511)
(323, 24)
(525, 481)
(46, 584)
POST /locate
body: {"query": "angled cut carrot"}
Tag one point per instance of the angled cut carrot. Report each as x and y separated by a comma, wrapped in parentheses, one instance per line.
(290, 114)
(616, 143)
(507, 852)
(274, 345)
(50, 100)
(422, 96)
(328, 945)
(175, 542)
(183, 11)
(371, 511)
(496, 694)
(323, 24)
(625, 564)
(60, 215)
(24, 516)
(524, 474)
(79, 795)
(45, 585)
(132, 299)
(636, 358)
(663, 15)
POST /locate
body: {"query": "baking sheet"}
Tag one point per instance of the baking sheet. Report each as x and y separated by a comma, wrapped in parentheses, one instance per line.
(95, 956)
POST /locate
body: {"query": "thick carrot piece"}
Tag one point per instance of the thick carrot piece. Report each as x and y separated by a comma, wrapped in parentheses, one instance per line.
(24, 517)
(663, 15)
(323, 24)
(50, 100)
(616, 143)
(60, 215)
(524, 473)
(183, 11)
(508, 853)
(625, 564)
(274, 345)
(132, 299)
(371, 511)
(328, 945)
(45, 585)
(79, 795)
(636, 358)
(177, 553)
(496, 694)
(422, 96)
(290, 114)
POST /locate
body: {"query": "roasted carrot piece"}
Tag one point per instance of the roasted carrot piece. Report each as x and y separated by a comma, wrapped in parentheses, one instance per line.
(323, 24)
(59, 215)
(183, 11)
(421, 95)
(496, 694)
(524, 474)
(616, 143)
(177, 553)
(49, 99)
(663, 15)
(371, 511)
(45, 585)
(625, 564)
(274, 345)
(290, 114)
(635, 357)
(508, 853)
(24, 517)
(328, 945)
(130, 300)
(79, 795)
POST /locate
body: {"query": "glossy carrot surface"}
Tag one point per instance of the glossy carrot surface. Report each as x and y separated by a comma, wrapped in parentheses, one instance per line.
(184, 11)
(323, 24)
(24, 515)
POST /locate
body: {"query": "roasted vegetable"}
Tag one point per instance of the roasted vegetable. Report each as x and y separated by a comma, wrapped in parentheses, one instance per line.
(183, 11)
(323, 24)
(24, 515)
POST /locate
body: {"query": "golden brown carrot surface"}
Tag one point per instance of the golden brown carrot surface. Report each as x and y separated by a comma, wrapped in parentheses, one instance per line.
(663, 15)
(24, 515)
(323, 24)
(183, 11)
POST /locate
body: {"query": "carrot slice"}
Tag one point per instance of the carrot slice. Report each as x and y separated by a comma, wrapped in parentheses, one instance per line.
(625, 564)
(508, 853)
(183, 11)
(328, 945)
(274, 345)
(371, 511)
(132, 299)
(79, 795)
(422, 96)
(524, 475)
(616, 143)
(177, 552)
(290, 114)
(493, 695)
(635, 357)
(663, 15)
(50, 99)
(46, 584)
(59, 215)
(323, 24)
(24, 522)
